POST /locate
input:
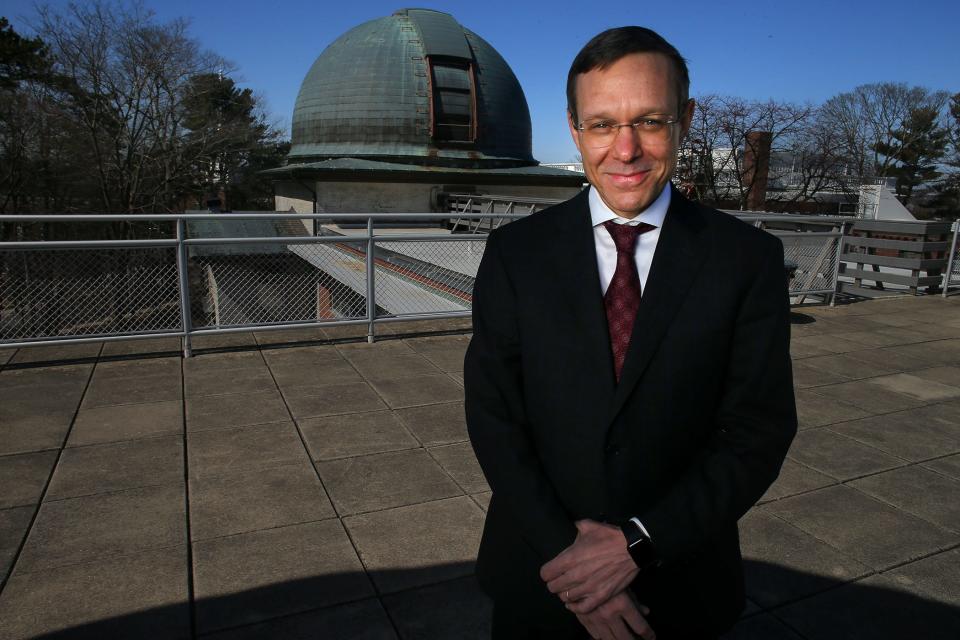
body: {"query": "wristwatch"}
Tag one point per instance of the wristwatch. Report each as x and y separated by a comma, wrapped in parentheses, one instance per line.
(639, 545)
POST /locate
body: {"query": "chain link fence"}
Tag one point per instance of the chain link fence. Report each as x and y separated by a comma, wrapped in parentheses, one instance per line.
(244, 272)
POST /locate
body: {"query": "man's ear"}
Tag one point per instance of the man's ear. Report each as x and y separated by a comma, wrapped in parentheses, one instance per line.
(573, 131)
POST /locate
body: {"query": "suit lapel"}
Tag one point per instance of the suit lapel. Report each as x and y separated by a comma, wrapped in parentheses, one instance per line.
(576, 268)
(679, 256)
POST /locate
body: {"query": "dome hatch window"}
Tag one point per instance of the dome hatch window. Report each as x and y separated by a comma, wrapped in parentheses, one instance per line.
(454, 101)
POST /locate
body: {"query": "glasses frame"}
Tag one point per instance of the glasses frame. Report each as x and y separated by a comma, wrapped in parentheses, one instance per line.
(634, 126)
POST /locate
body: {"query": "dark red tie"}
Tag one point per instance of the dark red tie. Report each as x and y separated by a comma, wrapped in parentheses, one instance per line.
(622, 299)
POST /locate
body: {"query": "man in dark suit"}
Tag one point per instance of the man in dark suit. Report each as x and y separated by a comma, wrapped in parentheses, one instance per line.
(628, 384)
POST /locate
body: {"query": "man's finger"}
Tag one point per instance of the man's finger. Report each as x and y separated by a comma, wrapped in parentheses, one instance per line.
(638, 623)
(590, 627)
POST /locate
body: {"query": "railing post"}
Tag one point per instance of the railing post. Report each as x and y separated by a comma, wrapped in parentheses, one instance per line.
(371, 284)
(185, 319)
(836, 265)
(951, 257)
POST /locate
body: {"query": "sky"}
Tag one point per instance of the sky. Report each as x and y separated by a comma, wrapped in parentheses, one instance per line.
(795, 51)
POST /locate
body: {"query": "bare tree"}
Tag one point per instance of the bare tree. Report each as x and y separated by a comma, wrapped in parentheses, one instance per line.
(123, 78)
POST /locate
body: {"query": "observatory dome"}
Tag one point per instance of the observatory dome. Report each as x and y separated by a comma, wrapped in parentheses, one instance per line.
(415, 87)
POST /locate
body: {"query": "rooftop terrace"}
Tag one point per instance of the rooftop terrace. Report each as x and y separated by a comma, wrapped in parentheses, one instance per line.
(306, 484)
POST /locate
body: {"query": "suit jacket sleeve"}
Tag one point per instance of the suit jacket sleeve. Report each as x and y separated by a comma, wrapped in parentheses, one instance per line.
(495, 414)
(756, 422)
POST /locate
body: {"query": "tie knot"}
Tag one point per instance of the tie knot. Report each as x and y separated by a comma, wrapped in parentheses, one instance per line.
(625, 235)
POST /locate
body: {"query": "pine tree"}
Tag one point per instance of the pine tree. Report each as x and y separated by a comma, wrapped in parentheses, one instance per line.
(917, 145)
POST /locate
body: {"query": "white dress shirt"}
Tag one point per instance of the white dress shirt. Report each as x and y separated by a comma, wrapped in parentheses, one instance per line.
(654, 215)
(646, 242)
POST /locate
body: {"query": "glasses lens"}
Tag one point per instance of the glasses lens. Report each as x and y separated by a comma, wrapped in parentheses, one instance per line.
(600, 135)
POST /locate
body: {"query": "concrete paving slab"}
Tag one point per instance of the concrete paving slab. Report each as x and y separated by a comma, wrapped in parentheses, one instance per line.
(875, 607)
(13, 528)
(870, 338)
(23, 477)
(95, 527)
(807, 347)
(761, 627)
(919, 491)
(884, 359)
(235, 410)
(839, 456)
(454, 610)
(805, 376)
(943, 375)
(784, 563)
(136, 368)
(435, 424)
(948, 466)
(391, 367)
(893, 319)
(56, 353)
(385, 480)
(143, 595)
(23, 434)
(147, 346)
(870, 397)
(253, 577)
(922, 389)
(796, 478)
(135, 390)
(22, 401)
(355, 434)
(829, 342)
(915, 434)
(244, 381)
(66, 375)
(362, 620)
(101, 425)
(853, 522)
(302, 356)
(937, 331)
(936, 577)
(413, 390)
(931, 353)
(291, 376)
(249, 500)
(429, 542)
(816, 411)
(221, 451)
(846, 367)
(461, 463)
(333, 399)
(381, 348)
(118, 466)
(482, 499)
(218, 362)
(6, 355)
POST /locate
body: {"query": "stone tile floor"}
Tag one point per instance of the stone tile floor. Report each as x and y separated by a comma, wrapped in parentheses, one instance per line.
(302, 485)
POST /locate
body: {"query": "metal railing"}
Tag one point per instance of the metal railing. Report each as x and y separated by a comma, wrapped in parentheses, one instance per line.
(241, 272)
(951, 275)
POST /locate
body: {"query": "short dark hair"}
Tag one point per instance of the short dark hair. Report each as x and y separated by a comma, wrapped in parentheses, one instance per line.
(613, 44)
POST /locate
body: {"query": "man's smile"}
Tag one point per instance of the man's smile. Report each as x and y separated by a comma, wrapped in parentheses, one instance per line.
(628, 178)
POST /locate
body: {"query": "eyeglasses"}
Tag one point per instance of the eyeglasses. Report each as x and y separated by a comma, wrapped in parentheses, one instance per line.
(601, 133)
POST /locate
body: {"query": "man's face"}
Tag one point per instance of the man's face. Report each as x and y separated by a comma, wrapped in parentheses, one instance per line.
(630, 173)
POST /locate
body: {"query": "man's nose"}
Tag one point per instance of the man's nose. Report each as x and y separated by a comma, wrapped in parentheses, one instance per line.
(626, 145)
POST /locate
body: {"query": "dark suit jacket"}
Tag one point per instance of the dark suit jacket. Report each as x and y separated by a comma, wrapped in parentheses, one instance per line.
(689, 439)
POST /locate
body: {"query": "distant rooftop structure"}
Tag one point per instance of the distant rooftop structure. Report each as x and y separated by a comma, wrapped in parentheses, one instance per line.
(415, 85)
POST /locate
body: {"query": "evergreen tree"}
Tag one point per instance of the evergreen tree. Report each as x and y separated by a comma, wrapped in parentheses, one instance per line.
(918, 145)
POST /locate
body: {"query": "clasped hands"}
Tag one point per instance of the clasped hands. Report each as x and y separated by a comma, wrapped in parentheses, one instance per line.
(591, 578)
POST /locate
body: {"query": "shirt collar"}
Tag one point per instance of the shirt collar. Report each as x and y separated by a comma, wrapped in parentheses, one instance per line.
(652, 215)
